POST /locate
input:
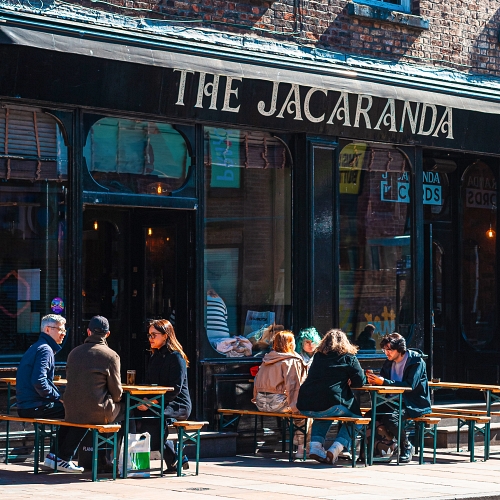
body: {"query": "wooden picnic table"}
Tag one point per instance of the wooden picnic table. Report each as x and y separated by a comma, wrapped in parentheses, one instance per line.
(380, 395)
(492, 395)
(134, 395)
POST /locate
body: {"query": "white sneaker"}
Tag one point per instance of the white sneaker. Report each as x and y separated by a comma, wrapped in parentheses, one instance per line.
(62, 465)
(50, 461)
(332, 454)
(300, 451)
(317, 452)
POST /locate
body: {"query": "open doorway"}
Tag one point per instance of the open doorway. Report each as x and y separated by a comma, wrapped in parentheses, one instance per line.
(138, 264)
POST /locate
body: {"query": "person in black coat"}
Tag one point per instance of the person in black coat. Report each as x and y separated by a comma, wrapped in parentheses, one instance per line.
(167, 366)
(403, 368)
(326, 392)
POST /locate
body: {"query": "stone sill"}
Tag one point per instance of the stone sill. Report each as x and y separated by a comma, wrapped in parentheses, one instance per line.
(387, 15)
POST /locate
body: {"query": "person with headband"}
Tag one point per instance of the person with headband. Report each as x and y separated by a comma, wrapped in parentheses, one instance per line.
(403, 368)
(307, 342)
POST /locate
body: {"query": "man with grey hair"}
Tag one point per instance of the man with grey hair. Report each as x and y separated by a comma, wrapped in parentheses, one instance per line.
(36, 394)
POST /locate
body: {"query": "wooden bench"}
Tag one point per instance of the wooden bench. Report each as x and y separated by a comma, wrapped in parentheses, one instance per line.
(421, 430)
(472, 419)
(187, 430)
(235, 415)
(41, 434)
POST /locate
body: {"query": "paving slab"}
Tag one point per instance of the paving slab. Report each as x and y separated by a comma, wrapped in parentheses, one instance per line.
(271, 476)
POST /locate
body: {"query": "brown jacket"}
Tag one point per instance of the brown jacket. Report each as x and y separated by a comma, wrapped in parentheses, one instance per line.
(281, 373)
(94, 389)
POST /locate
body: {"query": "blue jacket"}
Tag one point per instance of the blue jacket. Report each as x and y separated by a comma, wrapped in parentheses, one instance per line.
(417, 401)
(35, 374)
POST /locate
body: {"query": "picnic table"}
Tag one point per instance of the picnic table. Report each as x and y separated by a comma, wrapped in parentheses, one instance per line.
(135, 395)
(380, 395)
(492, 395)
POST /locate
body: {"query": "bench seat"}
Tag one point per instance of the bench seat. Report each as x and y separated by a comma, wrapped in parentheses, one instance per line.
(41, 435)
(351, 422)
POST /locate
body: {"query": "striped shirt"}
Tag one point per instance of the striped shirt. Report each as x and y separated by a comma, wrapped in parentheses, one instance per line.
(216, 318)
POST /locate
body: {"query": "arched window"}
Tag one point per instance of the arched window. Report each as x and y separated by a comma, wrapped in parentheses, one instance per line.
(375, 242)
(479, 297)
(134, 156)
(33, 174)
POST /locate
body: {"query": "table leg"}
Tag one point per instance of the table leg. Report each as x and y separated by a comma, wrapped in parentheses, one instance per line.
(487, 427)
(162, 433)
(400, 406)
(95, 454)
(372, 426)
(125, 435)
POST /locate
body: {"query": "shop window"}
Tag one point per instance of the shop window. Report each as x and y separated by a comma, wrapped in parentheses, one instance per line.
(479, 221)
(248, 241)
(375, 283)
(137, 157)
(33, 172)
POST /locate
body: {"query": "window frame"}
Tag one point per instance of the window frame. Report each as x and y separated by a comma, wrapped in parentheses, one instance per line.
(405, 5)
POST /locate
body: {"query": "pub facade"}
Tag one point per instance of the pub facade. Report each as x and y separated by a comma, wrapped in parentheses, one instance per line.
(140, 172)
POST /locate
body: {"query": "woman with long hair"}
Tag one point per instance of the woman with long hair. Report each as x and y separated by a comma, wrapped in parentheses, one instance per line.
(277, 383)
(167, 366)
(326, 392)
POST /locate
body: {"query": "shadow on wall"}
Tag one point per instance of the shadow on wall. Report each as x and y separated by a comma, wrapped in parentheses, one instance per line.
(484, 52)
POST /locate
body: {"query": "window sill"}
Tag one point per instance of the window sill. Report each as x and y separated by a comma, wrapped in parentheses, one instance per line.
(387, 15)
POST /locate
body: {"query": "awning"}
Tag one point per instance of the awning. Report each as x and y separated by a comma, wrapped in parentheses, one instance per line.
(147, 49)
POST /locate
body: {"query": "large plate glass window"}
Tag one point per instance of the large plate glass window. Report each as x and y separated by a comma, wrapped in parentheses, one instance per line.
(479, 221)
(375, 284)
(136, 157)
(33, 180)
(248, 241)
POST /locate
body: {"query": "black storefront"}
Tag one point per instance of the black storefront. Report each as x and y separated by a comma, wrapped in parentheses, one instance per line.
(135, 175)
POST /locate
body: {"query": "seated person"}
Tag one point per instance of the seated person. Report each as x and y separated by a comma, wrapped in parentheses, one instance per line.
(326, 392)
(38, 397)
(307, 343)
(403, 368)
(167, 366)
(277, 383)
(365, 340)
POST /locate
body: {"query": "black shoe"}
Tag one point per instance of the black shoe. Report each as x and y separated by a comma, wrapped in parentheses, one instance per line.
(172, 469)
(407, 454)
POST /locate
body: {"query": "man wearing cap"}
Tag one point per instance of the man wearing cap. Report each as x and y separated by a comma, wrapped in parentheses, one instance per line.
(94, 390)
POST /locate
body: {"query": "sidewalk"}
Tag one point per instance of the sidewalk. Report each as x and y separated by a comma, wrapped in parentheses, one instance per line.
(272, 477)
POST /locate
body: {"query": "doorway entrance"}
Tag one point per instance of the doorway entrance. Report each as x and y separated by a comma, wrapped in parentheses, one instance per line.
(138, 265)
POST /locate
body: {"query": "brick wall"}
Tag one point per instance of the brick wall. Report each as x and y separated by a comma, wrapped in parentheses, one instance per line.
(462, 34)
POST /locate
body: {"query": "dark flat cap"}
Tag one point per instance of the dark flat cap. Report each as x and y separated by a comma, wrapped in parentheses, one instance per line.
(99, 325)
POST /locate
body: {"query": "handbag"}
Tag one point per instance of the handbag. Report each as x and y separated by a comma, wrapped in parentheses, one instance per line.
(139, 455)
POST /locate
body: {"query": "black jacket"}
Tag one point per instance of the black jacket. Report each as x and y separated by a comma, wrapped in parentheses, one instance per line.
(327, 385)
(169, 369)
(418, 400)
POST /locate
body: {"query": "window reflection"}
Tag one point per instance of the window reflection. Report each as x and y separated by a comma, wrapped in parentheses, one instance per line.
(375, 256)
(479, 209)
(247, 237)
(133, 156)
(33, 174)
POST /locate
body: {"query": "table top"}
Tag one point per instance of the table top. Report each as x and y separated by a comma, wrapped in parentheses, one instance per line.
(132, 389)
(463, 385)
(382, 389)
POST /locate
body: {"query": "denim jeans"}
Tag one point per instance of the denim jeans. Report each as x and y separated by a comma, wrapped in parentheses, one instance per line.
(321, 427)
(69, 438)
